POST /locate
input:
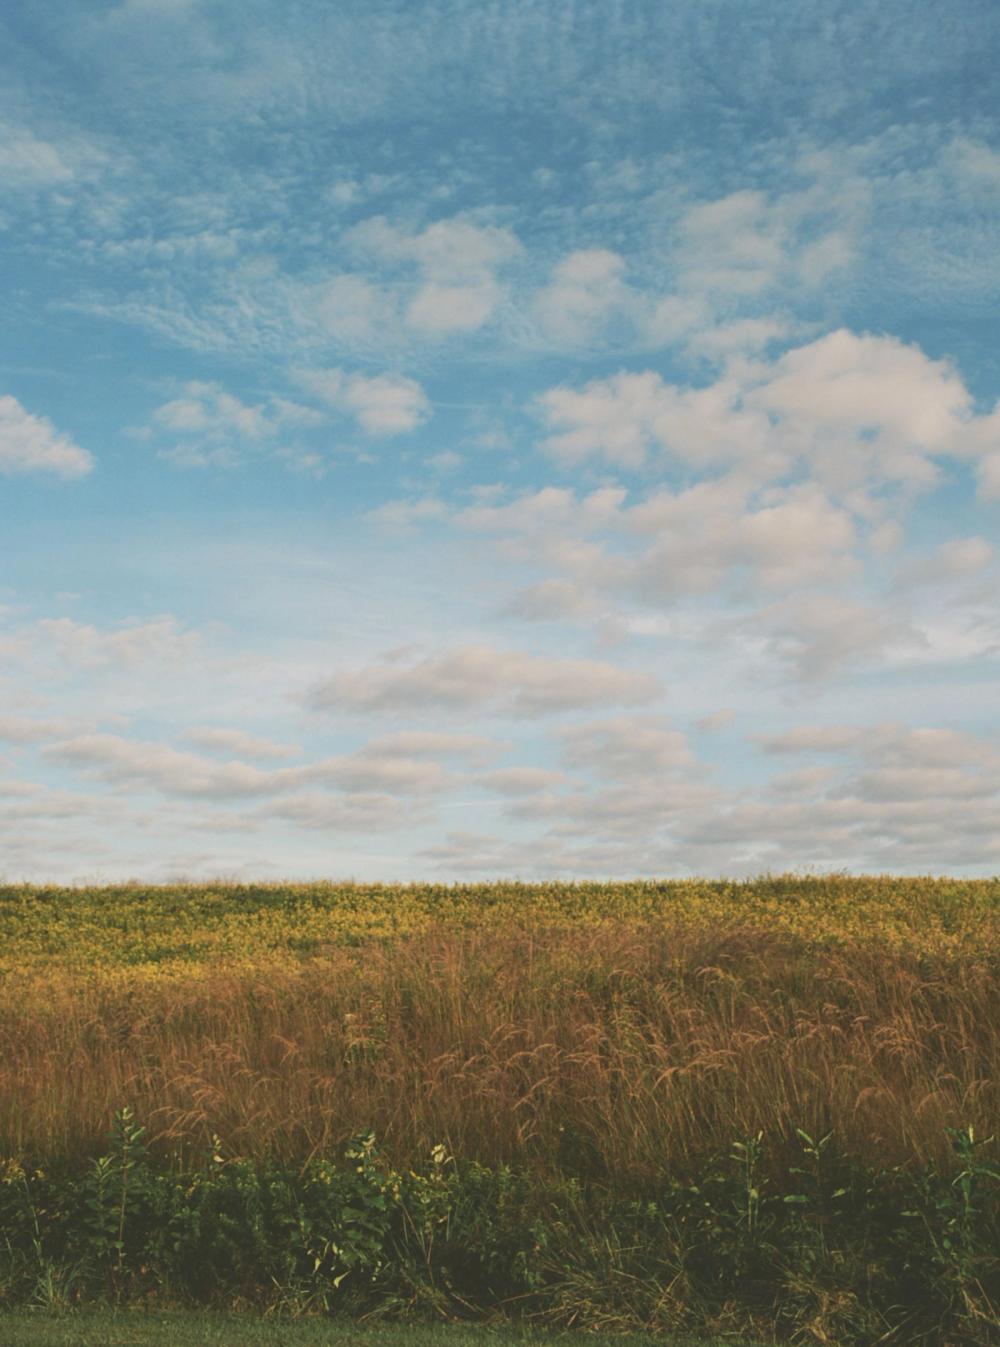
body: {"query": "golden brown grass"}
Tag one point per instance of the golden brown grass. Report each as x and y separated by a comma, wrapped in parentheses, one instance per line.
(623, 1048)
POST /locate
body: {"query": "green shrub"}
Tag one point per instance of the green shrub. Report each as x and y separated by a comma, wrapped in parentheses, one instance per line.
(827, 1252)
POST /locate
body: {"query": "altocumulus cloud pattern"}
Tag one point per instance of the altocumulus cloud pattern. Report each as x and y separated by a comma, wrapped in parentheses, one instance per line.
(475, 439)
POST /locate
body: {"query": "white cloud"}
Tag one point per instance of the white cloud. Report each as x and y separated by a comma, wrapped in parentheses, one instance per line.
(742, 336)
(519, 781)
(349, 308)
(402, 514)
(719, 537)
(431, 743)
(813, 739)
(80, 645)
(865, 406)
(480, 677)
(746, 243)
(439, 309)
(128, 762)
(356, 814)
(954, 560)
(710, 534)
(854, 411)
(448, 249)
(820, 635)
(889, 744)
(554, 599)
(905, 799)
(32, 444)
(35, 730)
(550, 509)
(457, 262)
(716, 720)
(29, 161)
(26, 159)
(585, 290)
(207, 409)
(974, 160)
(382, 405)
(215, 427)
(220, 740)
(627, 748)
(145, 765)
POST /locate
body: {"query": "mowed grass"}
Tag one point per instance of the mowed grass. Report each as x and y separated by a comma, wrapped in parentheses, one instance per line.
(179, 1329)
(619, 1032)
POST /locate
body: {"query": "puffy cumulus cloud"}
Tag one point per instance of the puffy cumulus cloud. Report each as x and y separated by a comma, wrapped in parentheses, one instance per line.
(483, 677)
(134, 763)
(552, 509)
(716, 720)
(586, 289)
(729, 257)
(627, 747)
(391, 772)
(382, 405)
(972, 160)
(898, 798)
(626, 808)
(853, 411)
(619, 419)
(356, 813)
(80, 645)
(956, 559)
(742, 336)
(22, 730)
(820, 635)
(710, 534)
(519, 781)
(865, 406)
(890, 744)
(554, 600)
(439, 309)
(212, 426)
(348, 308)
(14, 789)
(209, 408)
(982, 447)
(746, 243)
(813, 739)
(431, 743)
(456, 259)
(219, 740)
(455, 247)
(403, 514)
(29, 161)
(901, 784)
(902, 836)
(719, 537)
(30, 444)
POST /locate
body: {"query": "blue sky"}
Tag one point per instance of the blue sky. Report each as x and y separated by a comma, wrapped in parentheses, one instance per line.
(446, 440)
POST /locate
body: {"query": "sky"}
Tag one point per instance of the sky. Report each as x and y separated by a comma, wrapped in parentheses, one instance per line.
(473, 439)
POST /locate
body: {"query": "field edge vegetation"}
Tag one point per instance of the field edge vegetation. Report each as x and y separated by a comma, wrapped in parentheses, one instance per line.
(765, 1108)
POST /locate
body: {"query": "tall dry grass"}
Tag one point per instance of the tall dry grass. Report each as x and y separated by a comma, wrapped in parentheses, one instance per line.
(619, 1051)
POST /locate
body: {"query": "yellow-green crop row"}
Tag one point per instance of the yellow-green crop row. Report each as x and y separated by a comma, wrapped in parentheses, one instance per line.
(152, 932)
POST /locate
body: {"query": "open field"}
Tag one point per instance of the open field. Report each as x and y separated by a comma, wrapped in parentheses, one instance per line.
(618, 1030)
(649, 1082)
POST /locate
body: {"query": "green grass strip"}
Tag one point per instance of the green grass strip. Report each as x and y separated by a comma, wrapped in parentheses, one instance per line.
(130, 1328)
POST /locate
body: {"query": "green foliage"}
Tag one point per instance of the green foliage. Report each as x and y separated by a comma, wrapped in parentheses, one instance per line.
(825, 1251)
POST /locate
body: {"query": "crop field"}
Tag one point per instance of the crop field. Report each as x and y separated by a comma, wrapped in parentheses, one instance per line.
(797, 1042)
